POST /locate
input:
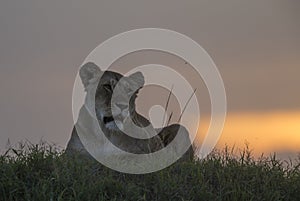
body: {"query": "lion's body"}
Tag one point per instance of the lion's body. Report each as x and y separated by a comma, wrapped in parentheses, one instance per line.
(114, 101)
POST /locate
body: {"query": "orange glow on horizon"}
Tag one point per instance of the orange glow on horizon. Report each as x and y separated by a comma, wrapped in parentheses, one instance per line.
(265, 132)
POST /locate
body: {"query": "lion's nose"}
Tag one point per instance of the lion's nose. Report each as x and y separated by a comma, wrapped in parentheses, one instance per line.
(121, 106)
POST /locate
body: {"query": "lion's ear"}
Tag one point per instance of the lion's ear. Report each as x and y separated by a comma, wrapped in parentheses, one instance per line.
(137, 78)
(88, 72)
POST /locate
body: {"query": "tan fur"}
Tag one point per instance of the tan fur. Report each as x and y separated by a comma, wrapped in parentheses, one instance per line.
(127, 88)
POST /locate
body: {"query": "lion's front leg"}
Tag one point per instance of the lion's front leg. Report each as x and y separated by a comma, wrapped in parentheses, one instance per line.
(182, 145)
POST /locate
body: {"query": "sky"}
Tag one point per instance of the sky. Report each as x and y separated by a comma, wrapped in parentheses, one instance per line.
(255, 45)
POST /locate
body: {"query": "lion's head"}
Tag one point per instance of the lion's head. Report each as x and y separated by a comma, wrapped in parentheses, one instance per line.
(115, 95)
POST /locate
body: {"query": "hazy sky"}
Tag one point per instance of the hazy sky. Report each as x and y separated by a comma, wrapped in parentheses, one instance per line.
(255, 45)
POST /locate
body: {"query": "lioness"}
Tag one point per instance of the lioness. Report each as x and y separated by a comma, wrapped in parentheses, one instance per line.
(117, 115)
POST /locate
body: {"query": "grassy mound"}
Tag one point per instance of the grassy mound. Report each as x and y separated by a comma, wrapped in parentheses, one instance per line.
(40, 172)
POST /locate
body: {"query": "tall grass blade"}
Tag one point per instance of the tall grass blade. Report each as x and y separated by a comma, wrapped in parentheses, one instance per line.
(167, 105)
(186, 105)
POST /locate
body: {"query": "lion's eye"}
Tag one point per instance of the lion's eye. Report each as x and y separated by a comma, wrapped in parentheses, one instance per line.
(107, 87)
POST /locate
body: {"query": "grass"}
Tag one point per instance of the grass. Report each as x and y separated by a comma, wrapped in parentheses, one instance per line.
(41, 172)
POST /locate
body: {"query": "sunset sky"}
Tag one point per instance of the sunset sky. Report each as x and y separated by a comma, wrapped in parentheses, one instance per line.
(264, 132)
(255, 45)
